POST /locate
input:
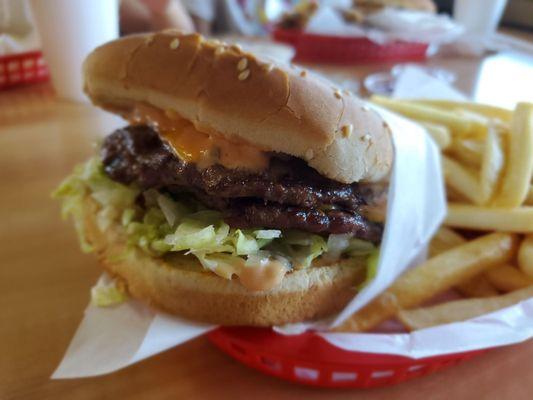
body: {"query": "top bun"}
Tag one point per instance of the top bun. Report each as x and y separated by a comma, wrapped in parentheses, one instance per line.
(222, 89)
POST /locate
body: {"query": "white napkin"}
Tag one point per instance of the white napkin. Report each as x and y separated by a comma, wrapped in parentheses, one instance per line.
(415, 83)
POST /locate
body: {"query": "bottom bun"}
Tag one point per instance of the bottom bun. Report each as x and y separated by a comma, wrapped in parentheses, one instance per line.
(179, 285)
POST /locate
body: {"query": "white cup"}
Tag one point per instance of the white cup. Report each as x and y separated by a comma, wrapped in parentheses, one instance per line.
(479, 17)
(69, 30)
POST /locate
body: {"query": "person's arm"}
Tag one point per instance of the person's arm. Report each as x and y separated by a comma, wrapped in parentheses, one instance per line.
(169, 14)
(202, 13)
(202, 26)
(153, 15)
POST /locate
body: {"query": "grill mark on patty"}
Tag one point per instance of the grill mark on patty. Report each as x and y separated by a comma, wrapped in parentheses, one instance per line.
(312, 220)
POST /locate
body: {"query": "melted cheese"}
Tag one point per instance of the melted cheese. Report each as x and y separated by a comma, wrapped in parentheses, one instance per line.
(197, 147)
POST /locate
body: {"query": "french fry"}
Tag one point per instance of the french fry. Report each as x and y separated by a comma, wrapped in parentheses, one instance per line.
(467, 151)
(439, 133)
(529, 198)
(460, 310)
(432, 277)
(478, 286)
(525, 256)
(445, 239)
(458, 124)
(468, 216)
(517, 174)
(462, 180)
(508, 278)
(491, 166)
(473, 116)
(486, 110)
(455, 196)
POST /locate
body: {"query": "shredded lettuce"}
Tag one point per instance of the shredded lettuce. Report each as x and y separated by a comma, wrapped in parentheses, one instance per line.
(166, 224)
(371, 267)
(267, 233)
(108, 294)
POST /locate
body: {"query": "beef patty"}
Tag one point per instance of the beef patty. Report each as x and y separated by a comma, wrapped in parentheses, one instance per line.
(287, 195)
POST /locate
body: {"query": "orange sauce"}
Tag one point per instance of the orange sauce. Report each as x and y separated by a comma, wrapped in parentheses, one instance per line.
(204, 149)
(256, 278)
(262, 277)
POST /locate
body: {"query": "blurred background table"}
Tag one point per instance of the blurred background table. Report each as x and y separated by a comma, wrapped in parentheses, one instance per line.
(45, 279)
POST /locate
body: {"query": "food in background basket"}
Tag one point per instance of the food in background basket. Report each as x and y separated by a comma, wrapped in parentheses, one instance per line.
(299, 16)
(242, 193)
(375, 5)
(362, 8)
(302, 12)
(488, 168)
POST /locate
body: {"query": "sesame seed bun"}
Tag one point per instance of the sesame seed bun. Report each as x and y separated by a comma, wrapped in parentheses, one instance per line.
(224, 90)
(180, 285)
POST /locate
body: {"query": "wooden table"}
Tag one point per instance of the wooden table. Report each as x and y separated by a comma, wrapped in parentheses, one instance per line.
(45, 279)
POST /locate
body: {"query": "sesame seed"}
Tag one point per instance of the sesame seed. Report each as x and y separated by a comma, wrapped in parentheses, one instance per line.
(219, 50)
(149, 39)
(303, 73)
(366, 138)
(346, 130)
(244, 74)
(174, 44)
(365, 108)
(309, 154)
(269, 67)
(242, 64)
(337, 94)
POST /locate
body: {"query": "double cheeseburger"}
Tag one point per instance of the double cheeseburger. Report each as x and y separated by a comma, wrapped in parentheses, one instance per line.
(242, 192)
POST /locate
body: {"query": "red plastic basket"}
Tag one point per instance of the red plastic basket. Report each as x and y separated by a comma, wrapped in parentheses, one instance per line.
(348, 50)
(311, 360)
(22, 69)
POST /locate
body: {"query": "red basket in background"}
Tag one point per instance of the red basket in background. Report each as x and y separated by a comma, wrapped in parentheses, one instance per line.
(22, 69)
(311, 47)
(311, 360)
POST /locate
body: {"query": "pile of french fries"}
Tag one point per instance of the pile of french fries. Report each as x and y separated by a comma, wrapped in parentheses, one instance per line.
(487, 159)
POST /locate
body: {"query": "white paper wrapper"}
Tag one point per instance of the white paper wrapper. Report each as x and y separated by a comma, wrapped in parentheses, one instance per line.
(416, 207)
(509, 325)
(388, 25)
(114, 337)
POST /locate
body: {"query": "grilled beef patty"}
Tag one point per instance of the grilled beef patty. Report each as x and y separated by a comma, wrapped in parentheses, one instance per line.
(287, 195)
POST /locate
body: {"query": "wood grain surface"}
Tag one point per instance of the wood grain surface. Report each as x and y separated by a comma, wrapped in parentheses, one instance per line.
(45, 281)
